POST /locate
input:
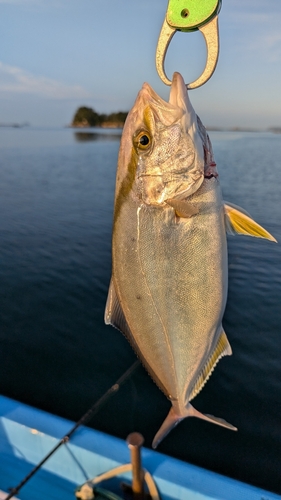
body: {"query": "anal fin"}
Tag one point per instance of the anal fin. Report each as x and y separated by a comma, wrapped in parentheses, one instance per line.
(222, 348)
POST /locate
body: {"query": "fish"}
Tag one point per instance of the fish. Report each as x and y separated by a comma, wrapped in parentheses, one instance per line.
(169, 281)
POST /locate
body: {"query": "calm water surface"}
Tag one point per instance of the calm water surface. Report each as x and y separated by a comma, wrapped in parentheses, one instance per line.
(56, 204)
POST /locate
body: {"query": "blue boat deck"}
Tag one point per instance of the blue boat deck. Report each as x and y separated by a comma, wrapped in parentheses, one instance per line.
(28, 434)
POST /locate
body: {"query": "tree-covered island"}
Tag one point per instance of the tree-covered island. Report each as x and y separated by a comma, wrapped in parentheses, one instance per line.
(88, 117)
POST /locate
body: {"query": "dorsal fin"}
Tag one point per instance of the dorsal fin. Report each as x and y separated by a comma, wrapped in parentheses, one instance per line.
(113, 312)
(240, 222)
(222, 349)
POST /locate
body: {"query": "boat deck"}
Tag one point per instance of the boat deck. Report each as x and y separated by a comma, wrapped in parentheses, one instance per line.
(28, 434)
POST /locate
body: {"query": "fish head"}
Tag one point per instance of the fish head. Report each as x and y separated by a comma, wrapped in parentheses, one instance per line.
(163, 147)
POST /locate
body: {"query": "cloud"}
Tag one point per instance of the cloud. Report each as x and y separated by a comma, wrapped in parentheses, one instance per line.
(259, 31)
(14, 80)
(267, 45)
(272, 46)
(23, 2)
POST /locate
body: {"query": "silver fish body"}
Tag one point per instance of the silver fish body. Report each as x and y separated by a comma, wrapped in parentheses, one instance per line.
(169, 252)
(171, 278)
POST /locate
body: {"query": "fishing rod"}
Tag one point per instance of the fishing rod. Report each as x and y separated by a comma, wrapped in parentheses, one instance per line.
(83, 420)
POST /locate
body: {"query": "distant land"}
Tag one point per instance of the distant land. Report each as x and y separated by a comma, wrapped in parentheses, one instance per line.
(275, 130)
(14, 125)
(86, 117)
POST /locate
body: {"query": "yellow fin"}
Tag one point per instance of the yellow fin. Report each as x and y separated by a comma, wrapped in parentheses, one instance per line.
(238, 221)
(183, 208)
(222, 349)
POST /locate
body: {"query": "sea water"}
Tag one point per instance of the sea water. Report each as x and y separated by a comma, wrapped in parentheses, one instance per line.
(56, 205)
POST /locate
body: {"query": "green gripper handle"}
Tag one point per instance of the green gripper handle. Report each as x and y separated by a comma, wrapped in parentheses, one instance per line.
(189, 15)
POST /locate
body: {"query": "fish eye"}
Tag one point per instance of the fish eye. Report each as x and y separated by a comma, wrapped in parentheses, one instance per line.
(142, 140)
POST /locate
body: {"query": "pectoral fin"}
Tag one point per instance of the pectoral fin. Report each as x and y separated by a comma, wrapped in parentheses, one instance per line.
(239, 222)
(183, 208)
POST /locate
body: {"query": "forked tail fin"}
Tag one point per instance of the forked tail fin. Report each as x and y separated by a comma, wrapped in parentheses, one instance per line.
(173, 419)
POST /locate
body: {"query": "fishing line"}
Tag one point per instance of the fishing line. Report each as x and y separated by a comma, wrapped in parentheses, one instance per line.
(83, 420)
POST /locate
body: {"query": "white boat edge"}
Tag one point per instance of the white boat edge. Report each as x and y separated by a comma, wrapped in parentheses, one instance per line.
(3, 495)
(28, 434)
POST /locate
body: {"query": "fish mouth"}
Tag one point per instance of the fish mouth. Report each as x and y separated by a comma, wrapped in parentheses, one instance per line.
(178, 106)
(179, 98)
(178, 92)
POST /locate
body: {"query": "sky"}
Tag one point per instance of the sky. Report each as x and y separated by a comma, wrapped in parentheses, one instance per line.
(57, 55)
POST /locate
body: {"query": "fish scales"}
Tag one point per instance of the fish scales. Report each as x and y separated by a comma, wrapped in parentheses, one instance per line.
(161, 299)
(169, 252)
